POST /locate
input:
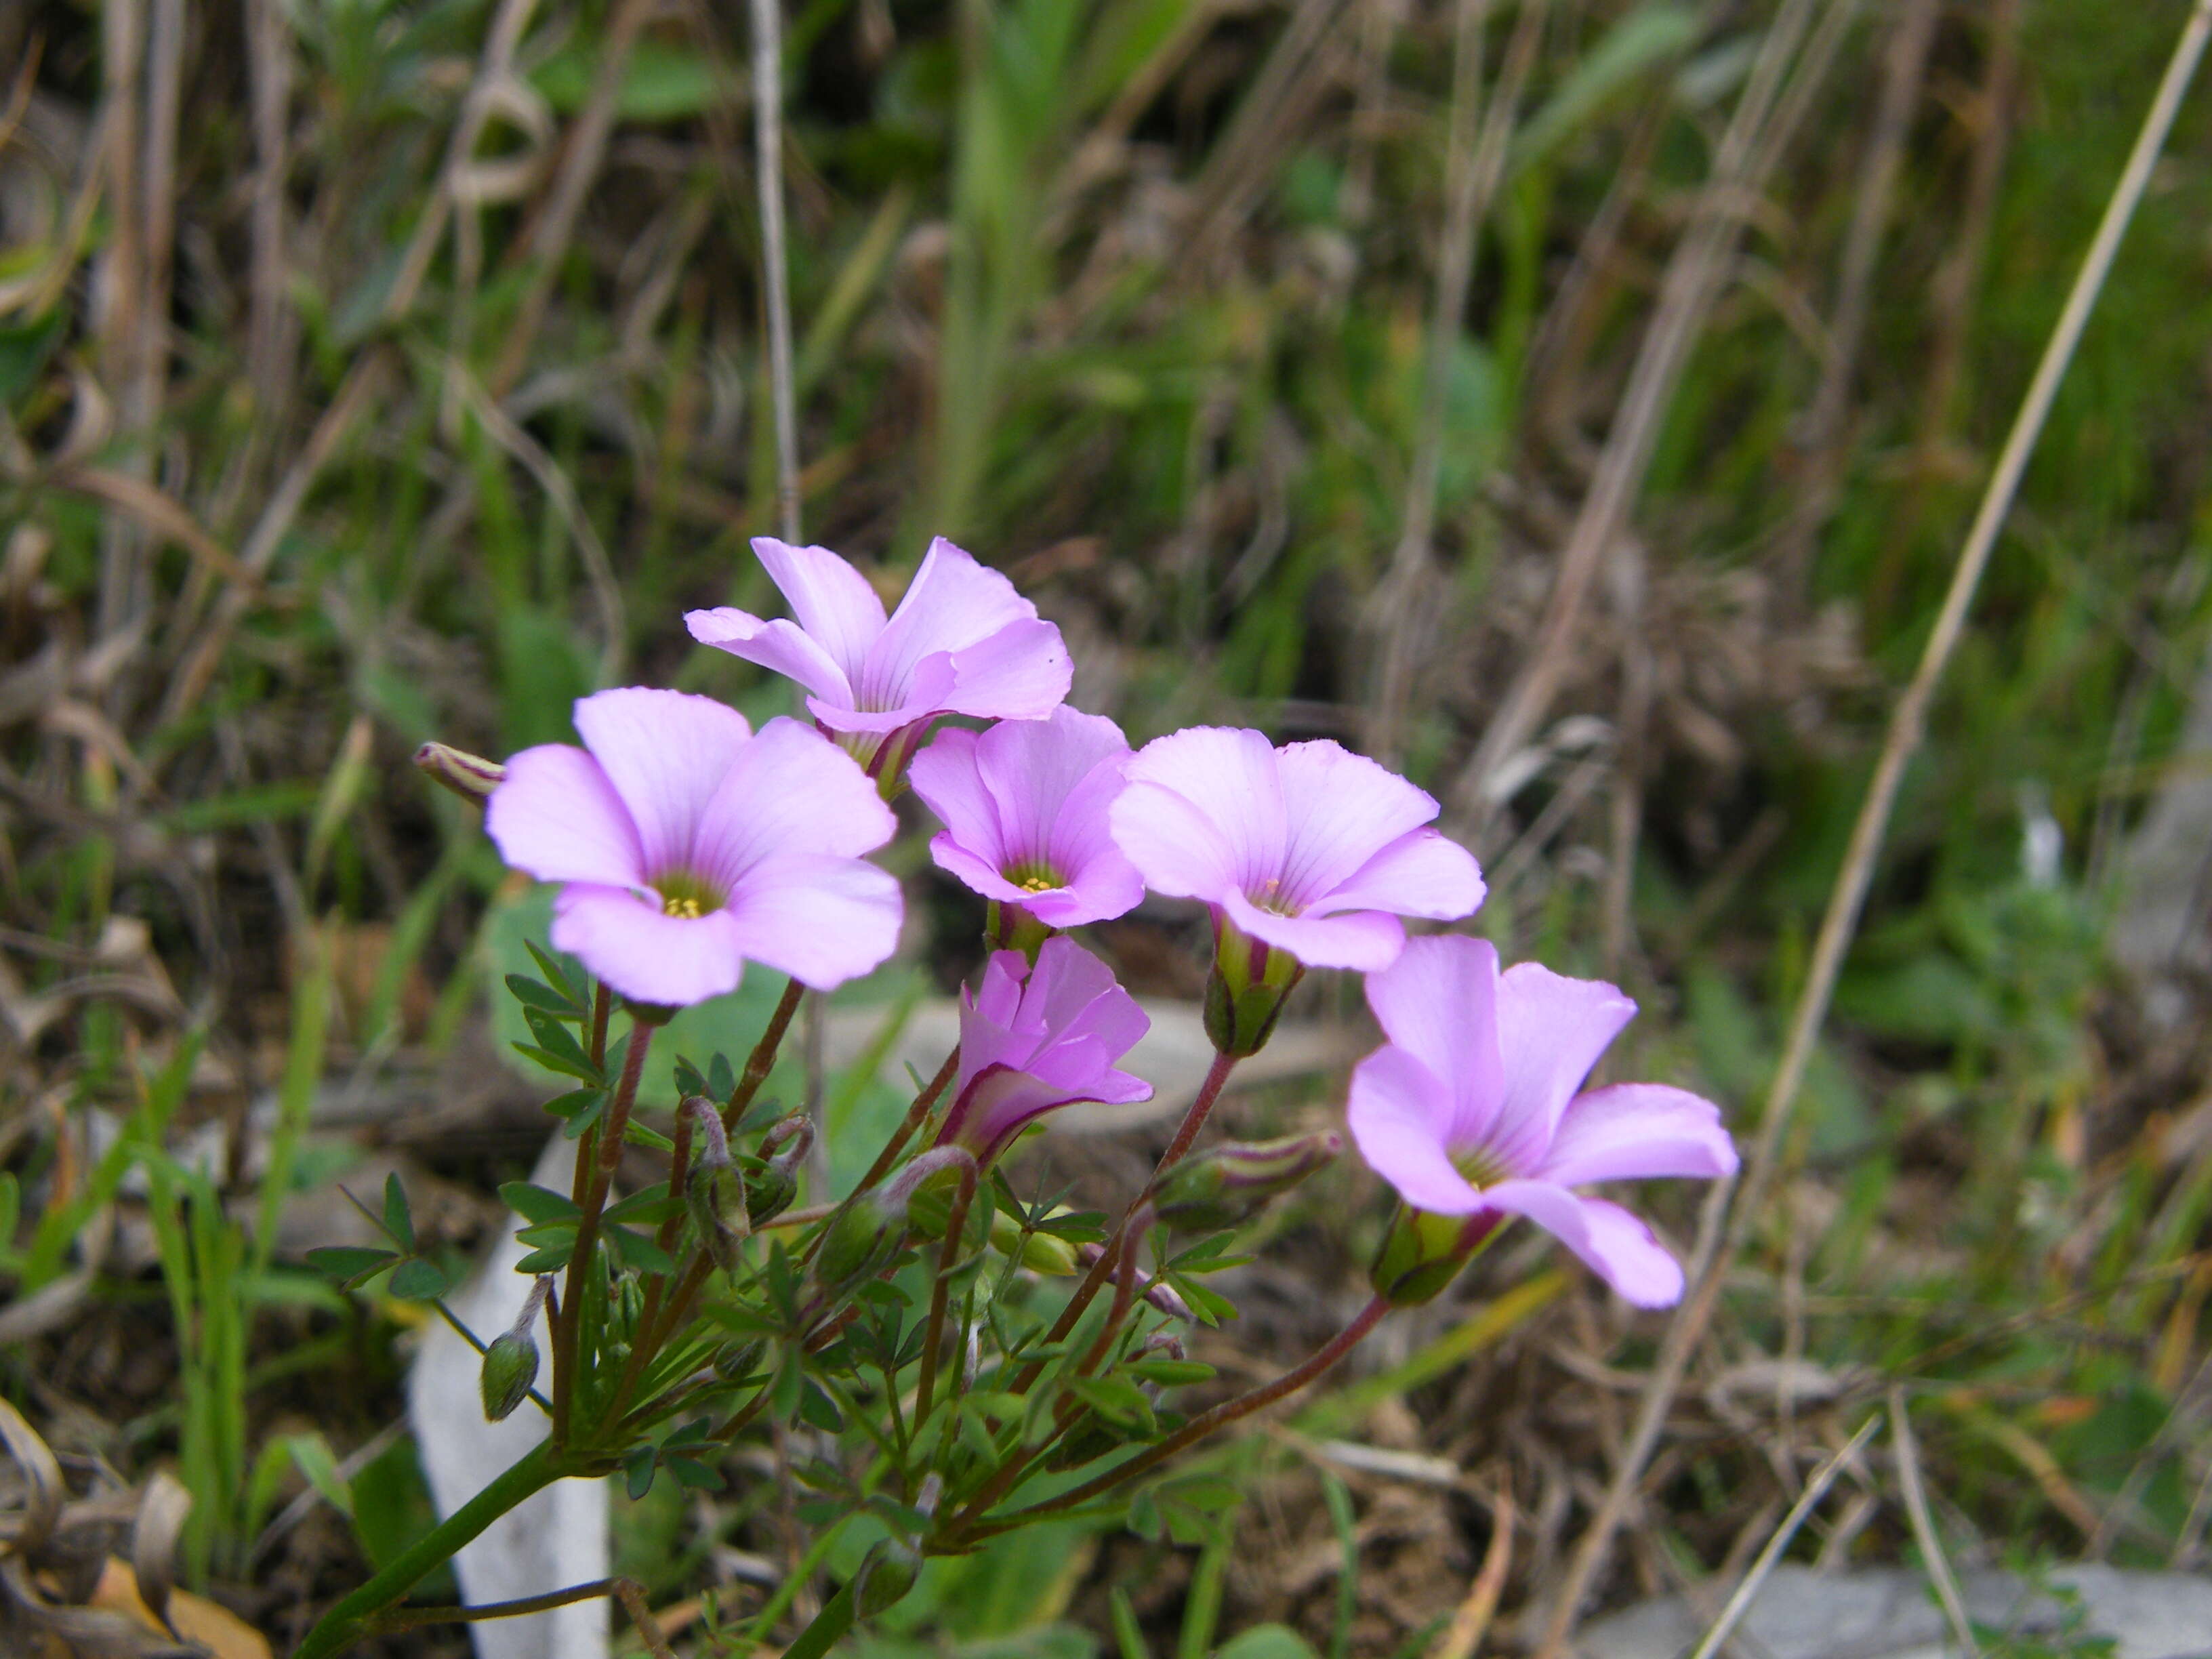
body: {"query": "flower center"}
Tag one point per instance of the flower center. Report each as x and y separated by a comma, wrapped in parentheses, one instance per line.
(1035, 878)
(1482, 1167)
(1270, 897)
(685, 895)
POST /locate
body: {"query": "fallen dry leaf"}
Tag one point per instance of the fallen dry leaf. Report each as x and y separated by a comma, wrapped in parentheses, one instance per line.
(219, 1631)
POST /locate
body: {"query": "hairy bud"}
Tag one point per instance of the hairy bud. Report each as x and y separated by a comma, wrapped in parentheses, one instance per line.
(510, 1366)
(867, 1235)
(1227, 1185)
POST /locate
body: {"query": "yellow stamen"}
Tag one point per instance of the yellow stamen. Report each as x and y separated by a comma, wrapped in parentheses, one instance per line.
(684, 907)
(1038, 885)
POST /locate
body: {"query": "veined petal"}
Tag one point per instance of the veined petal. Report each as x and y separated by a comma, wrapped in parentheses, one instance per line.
(951, 603)
(557, 816)
(819, 918)
(666, 752)
(1341, 809)
(1102, 889)
(828, 597)
(1032, 769)
(1618, 1247)
(781, 648)
(1438, 1001)
(1422, 873)
(1635, 1131)
(948, 777)
(1365, 941)
(1232, 824)
(627, 941)
(1021, 671)
(790, 790)
(1398, 1112)
(1550, 1031)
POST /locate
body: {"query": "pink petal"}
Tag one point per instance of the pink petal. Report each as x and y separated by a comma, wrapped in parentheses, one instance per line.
(1634, 1131)
(557, 817)
(790, 790)
(1104, 889)
(1342, 809)
(1398, 1112)
(666, 753)
(1550, 1031)
(980, 878)
(818, 917)
(675, 961)
(1620, 1249)
(952, 603)
(1077, 992)
(1438, 1001)
(1365, 941)
(948, 778)
(828, 597)
(1204, 814)
(1020, 673)
(1422, 873)
(1032, 768)
(781, 648)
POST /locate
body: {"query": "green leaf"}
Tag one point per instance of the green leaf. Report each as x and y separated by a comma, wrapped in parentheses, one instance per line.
(532, 994)
(1115, 1398)
(555, 969)
(553, 1062)
(349, 1264)
(555, 1034)
(311, 1455)
(634, 1250)
(398, 1221)
(638, 1471)
(539, 1204)
(1267, 1641)
(691, 1472)
(418, 1281)
(1170, 1373)
(653, 1205)
(551, 1259)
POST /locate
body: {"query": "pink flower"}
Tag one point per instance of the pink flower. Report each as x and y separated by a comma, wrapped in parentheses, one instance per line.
(1471, 1109)
(1035, 1039)
(687, 844)
(1307, 848)
(962, 641)
(1025, 811)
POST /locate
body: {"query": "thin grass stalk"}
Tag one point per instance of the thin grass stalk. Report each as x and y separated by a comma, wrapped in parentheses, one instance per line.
(768, 145)
(1722, 1218)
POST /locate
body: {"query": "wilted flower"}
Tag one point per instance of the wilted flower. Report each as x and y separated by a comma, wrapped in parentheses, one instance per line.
(687, 844)
(1037, 1038)
(1024, 812)
(1308, 855)
(1471, 1111)
(962, 641)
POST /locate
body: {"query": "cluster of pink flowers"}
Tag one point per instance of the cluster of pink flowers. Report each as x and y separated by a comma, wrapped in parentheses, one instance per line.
(686, 844)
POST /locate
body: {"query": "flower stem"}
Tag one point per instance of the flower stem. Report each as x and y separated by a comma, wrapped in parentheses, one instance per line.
(832, 1622)
(915, 1116)
(1203, 1425)
(955, 1224)
(602, 1158)
(1216, 1077)
(762, 1058)
(337, 1629)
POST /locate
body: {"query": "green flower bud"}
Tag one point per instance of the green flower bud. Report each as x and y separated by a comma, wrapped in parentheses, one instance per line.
(1042, 1253)
(510, 1366)
(739, 1359)
(771, 1189)
(1424, 1252)
(1227, 1185)
(887, 1572)
(1246, 991)
(714, 1191)
(867, 1235)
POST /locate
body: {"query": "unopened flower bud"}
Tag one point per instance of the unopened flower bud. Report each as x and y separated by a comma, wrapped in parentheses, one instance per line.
(1246, 991)
(1424, 1252)
(1044, 1253)
(510, 1361)
(714, 1191)
(1227, 1185)
(739, 1360)
(886, 1574)
(470, 776)
(769, 1190)
(867, 1235)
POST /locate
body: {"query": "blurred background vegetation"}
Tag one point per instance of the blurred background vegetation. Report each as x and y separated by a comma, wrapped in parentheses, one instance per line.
(373, 372)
